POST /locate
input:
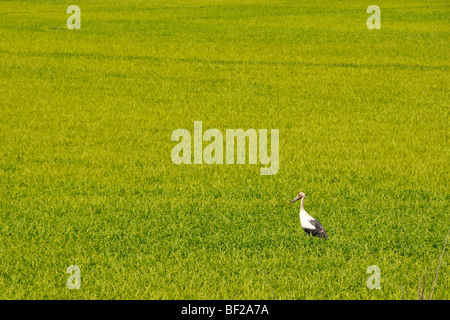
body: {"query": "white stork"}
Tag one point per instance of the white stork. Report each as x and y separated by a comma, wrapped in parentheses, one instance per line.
(309, 224)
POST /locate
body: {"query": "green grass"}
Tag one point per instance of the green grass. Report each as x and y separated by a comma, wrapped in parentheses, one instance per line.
(86, 176)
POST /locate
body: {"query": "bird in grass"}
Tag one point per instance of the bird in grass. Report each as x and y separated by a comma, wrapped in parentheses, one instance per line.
(309, 224)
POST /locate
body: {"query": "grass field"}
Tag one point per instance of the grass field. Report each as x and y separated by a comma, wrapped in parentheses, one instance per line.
(86, 176)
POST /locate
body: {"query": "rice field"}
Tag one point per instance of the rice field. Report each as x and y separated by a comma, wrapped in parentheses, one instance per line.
(87, 178)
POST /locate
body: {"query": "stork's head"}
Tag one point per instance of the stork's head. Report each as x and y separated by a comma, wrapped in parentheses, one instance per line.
(298, 197)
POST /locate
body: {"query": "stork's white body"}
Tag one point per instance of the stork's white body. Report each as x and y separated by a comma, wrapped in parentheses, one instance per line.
(305, 219)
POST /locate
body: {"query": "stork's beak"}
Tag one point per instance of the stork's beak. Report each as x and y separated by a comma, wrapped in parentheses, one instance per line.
(296, 198)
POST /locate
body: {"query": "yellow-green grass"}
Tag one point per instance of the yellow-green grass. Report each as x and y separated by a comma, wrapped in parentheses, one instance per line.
(86, 176)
